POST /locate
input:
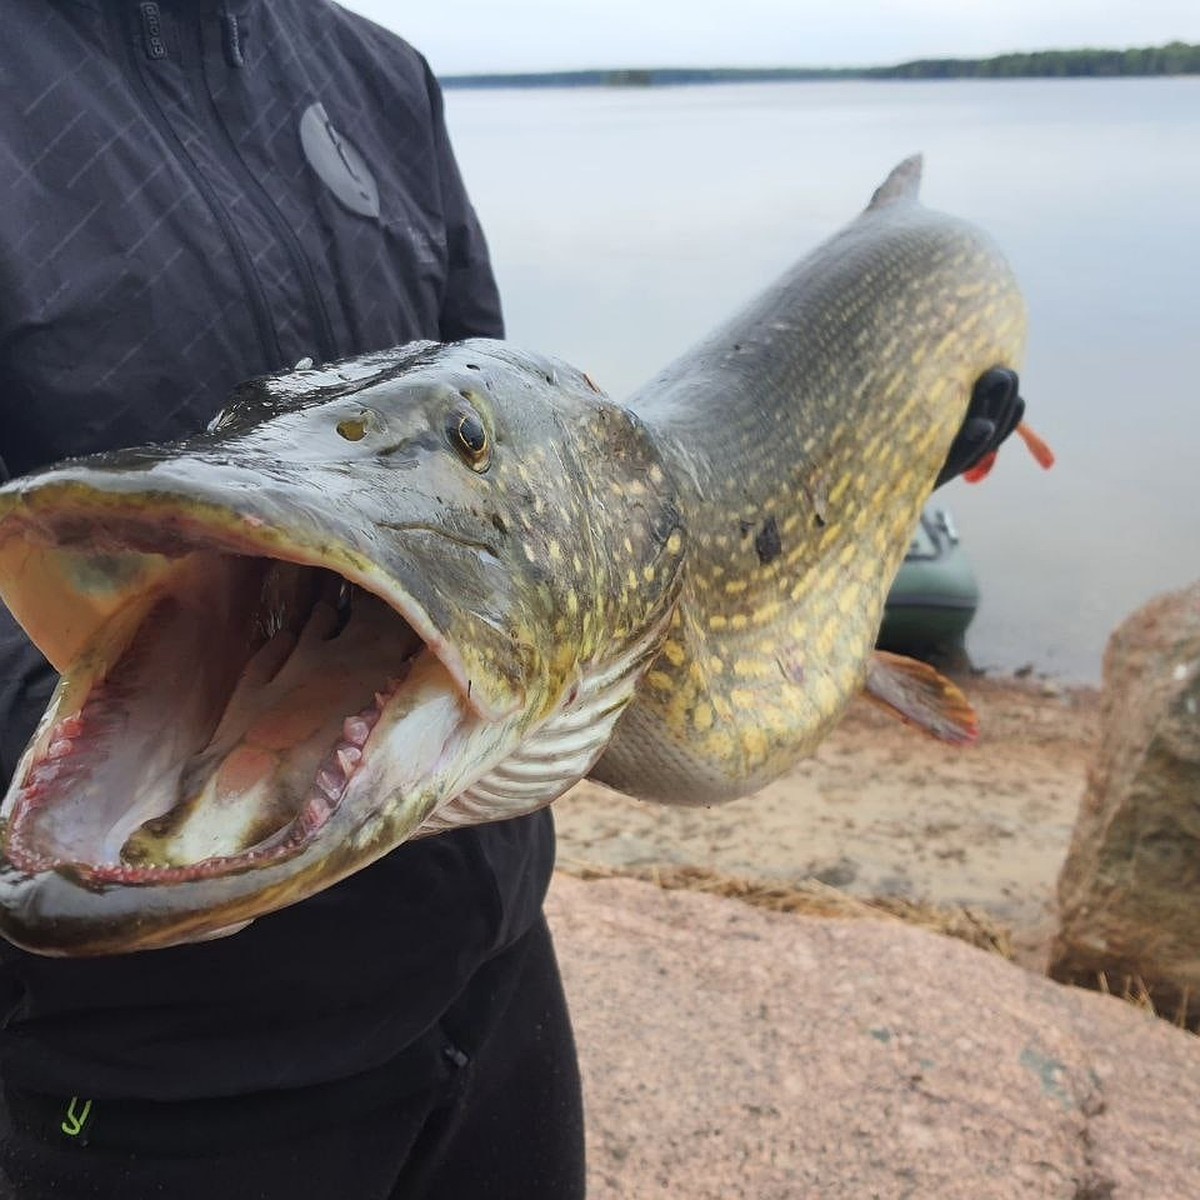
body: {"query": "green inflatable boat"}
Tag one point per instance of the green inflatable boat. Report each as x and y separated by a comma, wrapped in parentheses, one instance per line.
(935, 595)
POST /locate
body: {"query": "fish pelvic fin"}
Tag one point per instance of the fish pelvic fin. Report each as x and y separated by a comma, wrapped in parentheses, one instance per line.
(921, 696)
(903, 184)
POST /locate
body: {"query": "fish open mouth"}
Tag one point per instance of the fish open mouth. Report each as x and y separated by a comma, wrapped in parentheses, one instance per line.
(214, 723)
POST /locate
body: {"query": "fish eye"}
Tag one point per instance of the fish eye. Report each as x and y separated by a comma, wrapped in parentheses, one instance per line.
(469, 437)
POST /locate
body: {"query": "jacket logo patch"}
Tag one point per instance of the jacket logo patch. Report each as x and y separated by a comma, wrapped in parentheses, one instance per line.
(338, 163)
(152, 31)
(76, 1117)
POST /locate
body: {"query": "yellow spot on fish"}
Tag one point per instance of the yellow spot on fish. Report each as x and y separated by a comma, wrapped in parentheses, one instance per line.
(674, 543)
(660, 681)
(674, 653)
(702, 716)
(555, 552)
(848, 600)
(798, 629)
(751, 668)
(677, 713)
(648, 574)
(827, 693)
(754, 742)
(767, 612)
(775, 719)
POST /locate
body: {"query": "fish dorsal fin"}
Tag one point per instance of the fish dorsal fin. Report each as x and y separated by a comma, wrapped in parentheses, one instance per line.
(903, 184)
(921, 696)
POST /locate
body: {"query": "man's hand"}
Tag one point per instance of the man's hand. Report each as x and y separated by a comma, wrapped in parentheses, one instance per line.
(995, 411)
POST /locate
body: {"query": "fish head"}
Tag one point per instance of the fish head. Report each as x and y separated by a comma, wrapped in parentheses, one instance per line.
(301, 638)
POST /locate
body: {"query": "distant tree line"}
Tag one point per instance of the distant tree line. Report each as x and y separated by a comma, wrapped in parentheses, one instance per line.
(1176, 58)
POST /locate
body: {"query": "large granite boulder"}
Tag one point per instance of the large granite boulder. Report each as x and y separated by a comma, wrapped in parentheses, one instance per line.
(730, 1053)
(1129, 892)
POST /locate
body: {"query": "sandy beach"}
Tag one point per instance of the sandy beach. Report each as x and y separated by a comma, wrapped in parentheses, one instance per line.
(884, 811)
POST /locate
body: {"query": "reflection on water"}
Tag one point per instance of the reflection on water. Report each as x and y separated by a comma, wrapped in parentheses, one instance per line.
(625, 223)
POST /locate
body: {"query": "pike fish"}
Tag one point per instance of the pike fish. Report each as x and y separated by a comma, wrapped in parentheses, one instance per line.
(438, 585)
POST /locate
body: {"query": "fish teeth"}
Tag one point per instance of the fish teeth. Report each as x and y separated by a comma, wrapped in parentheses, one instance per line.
(315, 813)
(356, 730)
(348, 758)
(331, 781)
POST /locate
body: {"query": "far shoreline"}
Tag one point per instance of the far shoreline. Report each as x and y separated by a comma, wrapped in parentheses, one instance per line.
(1173, 60)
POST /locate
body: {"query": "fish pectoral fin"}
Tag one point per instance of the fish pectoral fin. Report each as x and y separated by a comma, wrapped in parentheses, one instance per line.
(921, 696)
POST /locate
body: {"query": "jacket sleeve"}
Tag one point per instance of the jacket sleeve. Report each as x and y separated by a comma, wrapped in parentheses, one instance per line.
(471, 301)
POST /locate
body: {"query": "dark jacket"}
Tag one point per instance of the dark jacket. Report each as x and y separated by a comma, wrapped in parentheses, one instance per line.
(193, 193)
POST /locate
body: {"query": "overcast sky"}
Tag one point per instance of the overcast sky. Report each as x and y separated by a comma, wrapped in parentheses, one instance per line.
(519, 35)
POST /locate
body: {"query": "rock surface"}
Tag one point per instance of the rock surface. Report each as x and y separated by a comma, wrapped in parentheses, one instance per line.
(730, 1052)
(1129, 891)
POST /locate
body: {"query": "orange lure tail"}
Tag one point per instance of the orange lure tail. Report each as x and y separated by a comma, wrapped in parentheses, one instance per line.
(1038, 448)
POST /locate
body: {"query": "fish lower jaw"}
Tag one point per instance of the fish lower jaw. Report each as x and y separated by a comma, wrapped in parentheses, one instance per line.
(38, 837)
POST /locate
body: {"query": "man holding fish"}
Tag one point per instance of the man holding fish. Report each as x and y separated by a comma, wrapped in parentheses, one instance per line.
(208, 191)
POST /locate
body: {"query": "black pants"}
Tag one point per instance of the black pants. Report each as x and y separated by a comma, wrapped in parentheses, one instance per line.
(486, 1106)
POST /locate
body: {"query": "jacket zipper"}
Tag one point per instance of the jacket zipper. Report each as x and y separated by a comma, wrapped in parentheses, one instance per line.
(314, 301)
(127, 35)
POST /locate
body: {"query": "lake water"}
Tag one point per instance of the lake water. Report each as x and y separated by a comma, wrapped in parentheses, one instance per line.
(625, 223)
